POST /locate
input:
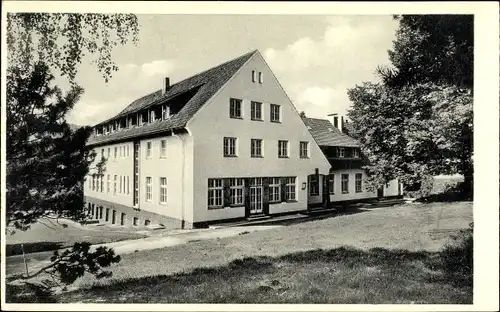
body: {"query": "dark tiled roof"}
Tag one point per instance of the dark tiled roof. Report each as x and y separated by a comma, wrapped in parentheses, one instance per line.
(208, 82)
(320, 130)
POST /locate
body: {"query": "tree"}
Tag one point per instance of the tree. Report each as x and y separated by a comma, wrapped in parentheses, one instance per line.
(47, 160)
(418, 121)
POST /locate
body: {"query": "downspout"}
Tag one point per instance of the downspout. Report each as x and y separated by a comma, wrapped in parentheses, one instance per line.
(182, 179)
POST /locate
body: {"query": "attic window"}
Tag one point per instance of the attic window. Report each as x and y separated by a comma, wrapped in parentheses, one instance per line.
(254, 76)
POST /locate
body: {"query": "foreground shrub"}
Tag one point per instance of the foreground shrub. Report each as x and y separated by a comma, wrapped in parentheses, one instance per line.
(457, 256)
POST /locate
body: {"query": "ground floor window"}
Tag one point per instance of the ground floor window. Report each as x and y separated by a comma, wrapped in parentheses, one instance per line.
(331, 183)
(163, 191)
(215, 193)
(122, 219)
(100, 212)
(313, 185)
(236, 187)
(136, 221)
(290, 188)
(113, 218)
(359, 182)
(274, 190)
(107, 214)
(345, 183)
(147, 222)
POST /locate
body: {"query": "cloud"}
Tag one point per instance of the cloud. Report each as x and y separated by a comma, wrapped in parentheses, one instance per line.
(318, 72)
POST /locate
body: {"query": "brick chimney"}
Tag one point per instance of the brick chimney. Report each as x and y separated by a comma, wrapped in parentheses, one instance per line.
(165, 86)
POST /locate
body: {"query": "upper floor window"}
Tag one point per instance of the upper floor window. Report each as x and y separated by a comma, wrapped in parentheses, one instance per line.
(275, 113)
(304, 149)
(256, 110)
(256, 148)
(282, 149)
(261, 77)
(341, 152)
(254, 76)
(163, 148)
(116, 152)
(149, 189)
(229, 147)
(109, 152)
(149, 148)
(235, 108)
(102, 153)
(355, 153)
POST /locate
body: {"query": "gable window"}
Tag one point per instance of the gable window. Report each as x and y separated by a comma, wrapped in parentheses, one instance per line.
(254, 76)
(235, 108)
(275, 113)
(229, 147)
(290, 188)
(355, 153)
(304, 149)
(359, 182)
(236, 187)
(256, 148)
(163, 149)
(149, 189)
(149, 145)
(274, 190)
(261, 77)
(256, 110)
(331, 183)
(345, 183)
(163, 191)
(215, 191)
(341, 152)
(313, 185)
(282, 149)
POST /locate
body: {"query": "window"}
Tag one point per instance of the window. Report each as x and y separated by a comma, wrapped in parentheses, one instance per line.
(121, 179)
(121, 151)
(313, 185)
(149, 189)
(147, 222)
(275, 113)
(274, 190)
(108, 183)
(236, 187)
(229, 147)
(163, 149)
(128, 185)
(253, 76)
(256, 110)
(359, 182)
(98, 180)
(163, 191)
(136, 221)
(102, 183)
(116, 152)
(165, 112)
(122, 219)
(355, 153)
(113, 218)
(345, 183)
(109, 152)
(235, 108)
(261, 77)
(114, 184)
(304, 150)
(256, 148)
(107, 214)
(93, 182)
(215, 191)
(283, 149)
(290, 189)
(148, 149)
(341, 152)
(100, 212)
(331, 184)
(128, 151)
(102, 153)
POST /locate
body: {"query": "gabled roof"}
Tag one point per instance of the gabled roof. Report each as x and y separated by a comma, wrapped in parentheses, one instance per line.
(206, 84)
(325, 134)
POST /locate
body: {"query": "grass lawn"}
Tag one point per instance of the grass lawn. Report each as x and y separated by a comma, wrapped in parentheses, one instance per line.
(338, 276)
(392, 258)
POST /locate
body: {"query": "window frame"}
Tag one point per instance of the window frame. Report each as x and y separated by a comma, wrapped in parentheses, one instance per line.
(254, 76)
(301, 150)
(253, 111)
(274, 114)
(149, 149)
(236, 191)
(341, 152)
(149, 189)
(274, 190)
(281, 149)
(346, 181)
(360, 181)
(163, 149)
(227, 149)
(261, 78)
(163, 191)
(235, 105)
(213, 192)
(254, 148)
(313, 181)
(290, 188)
(115, 181)
(331, 184)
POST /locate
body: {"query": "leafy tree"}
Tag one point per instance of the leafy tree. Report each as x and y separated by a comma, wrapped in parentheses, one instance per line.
(418, 121)
(47, 161)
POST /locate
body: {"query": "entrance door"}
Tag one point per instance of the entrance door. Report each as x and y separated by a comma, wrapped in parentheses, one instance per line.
(380, 192)
(256, 196)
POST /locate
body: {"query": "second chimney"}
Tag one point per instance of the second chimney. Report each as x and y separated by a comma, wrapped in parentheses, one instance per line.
(166, 85)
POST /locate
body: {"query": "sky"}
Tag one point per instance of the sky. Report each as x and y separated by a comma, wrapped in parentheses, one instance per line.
(316, 58)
